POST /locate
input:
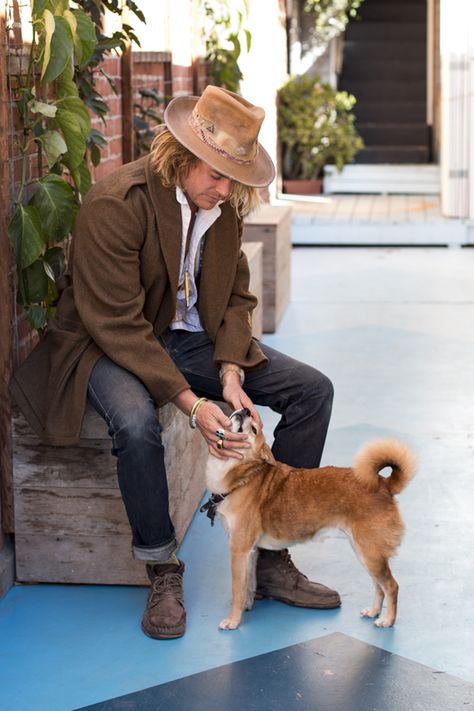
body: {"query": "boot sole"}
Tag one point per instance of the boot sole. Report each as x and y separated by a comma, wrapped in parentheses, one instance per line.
(311, 606)
(167, 635)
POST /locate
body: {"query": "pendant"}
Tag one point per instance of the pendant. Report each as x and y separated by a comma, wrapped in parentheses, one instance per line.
(187, 291)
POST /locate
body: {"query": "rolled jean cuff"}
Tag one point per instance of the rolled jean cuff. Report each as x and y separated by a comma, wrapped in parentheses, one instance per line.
(155, 553)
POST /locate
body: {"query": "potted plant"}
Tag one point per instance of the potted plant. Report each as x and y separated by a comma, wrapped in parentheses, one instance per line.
(315, 129)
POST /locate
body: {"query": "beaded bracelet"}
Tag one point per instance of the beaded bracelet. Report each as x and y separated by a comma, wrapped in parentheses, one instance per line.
(194, 411)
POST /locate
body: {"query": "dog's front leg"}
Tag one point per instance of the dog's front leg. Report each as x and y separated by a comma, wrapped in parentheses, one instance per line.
(252, 579)
(239, 561)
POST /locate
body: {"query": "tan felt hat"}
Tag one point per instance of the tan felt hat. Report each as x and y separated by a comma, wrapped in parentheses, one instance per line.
(221, 128)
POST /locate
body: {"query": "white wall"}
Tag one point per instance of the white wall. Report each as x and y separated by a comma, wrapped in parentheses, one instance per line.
(457, 107)
(264, 68)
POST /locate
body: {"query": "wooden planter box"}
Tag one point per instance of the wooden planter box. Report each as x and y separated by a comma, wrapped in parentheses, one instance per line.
(271, 225)
(254, 253)
(70, 521)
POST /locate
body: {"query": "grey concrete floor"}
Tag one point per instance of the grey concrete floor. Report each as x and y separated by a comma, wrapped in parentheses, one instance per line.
(393, 328)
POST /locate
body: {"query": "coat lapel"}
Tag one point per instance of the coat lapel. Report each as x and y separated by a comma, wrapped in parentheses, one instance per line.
(218, 269)
(219, 256)
(168, 217)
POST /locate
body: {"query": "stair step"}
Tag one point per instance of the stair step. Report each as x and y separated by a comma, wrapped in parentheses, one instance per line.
(387, 111)
(373, 90)
(381, 31)
(379, 50)
(381, 3)
(393, 154)
(394, 134)
(362, 178)
(390, 69)
(391, 12)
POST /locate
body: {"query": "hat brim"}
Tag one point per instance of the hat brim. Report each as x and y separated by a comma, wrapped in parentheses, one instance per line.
(257, 174)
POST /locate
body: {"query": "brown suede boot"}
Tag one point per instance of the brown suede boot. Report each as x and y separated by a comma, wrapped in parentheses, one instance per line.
(165, 616)
(279, 579)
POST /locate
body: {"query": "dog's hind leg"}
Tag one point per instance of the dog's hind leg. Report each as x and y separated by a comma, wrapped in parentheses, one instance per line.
(376, 608)
(389, 586)
(386, 587)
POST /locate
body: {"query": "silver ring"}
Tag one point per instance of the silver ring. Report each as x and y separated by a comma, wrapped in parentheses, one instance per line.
(219, 444)
(220, 433)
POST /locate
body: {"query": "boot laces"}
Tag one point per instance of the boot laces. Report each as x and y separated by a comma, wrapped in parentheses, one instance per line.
(295, 573)
(167, 584)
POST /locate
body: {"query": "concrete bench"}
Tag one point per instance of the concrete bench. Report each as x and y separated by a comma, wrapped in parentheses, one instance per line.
(271, 225)
(70, 521)
(254, 253)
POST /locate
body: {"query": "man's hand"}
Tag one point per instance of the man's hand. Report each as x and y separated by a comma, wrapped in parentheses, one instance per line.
(210, 419)
(236, 397)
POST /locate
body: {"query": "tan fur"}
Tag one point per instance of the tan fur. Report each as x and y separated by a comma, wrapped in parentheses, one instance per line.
(278, 505)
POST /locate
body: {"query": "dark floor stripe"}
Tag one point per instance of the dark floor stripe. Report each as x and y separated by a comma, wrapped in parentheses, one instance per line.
(332, 673)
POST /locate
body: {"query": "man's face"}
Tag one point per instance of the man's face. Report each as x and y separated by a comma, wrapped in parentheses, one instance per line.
(205, 186)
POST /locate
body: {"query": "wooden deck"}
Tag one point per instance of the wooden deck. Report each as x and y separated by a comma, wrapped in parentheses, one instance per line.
(374, 219)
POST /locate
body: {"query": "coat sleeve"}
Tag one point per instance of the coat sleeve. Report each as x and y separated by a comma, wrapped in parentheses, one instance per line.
(234, 342)
(110, 297)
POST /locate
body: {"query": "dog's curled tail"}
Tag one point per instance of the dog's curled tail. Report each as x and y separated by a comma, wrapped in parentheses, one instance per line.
(379, 453)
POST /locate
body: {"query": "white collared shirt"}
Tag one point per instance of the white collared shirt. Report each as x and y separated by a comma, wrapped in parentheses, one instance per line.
(187, 317)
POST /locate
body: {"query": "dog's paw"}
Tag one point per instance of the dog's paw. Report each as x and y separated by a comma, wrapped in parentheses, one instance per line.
(384, 622)
(229, 624)
(370, 612)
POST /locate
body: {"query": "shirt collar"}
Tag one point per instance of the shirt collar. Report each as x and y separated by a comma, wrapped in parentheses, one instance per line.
(211, 214)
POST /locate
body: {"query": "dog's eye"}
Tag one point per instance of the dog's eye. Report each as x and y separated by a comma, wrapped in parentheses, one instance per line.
(254, 429)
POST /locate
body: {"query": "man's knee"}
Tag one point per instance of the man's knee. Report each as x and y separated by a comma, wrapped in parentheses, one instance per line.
(326, 388)
(314, 384)
(137, 427)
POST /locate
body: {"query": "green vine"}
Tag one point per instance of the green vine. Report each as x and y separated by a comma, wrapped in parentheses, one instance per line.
(55, 97)
(148, 114)
(223, 28)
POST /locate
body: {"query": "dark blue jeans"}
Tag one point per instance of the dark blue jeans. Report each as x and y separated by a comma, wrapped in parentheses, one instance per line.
(299, 393)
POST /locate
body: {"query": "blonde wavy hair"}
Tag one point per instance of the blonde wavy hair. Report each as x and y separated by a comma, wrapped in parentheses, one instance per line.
(172, 161)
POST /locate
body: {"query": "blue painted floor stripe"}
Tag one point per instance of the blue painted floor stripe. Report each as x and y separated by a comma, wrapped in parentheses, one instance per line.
(393, 330)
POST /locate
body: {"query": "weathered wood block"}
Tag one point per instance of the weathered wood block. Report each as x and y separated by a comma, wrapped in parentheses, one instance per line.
(271, 225)
(254, 253)
(70, 521)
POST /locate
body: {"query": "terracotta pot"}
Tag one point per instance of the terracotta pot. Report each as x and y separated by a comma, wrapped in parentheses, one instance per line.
(303, 187)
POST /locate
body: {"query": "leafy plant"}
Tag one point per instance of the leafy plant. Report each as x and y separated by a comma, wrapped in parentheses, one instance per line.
(54, 97)
(330, 17)
(223, 26)
(148, 115)
(315, 127)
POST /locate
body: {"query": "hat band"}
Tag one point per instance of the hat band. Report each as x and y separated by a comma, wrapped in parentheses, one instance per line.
(196, 123)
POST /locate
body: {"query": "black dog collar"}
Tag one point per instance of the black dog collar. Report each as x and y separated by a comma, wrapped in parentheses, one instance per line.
(210, 507)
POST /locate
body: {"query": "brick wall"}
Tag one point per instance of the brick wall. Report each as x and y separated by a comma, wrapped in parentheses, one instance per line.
(154, 70)
(6, 289)
(112, 130)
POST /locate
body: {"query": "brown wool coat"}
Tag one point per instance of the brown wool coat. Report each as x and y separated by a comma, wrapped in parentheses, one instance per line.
(121, 294)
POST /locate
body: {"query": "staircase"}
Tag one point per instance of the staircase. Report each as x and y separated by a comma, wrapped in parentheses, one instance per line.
(384, 66)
